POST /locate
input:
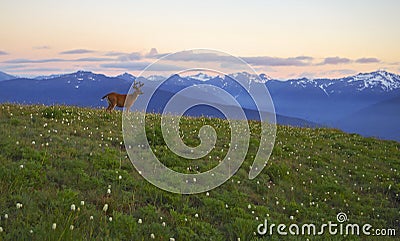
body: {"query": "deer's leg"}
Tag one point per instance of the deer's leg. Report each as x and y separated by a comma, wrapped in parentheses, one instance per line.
(128, 108)
(112, 107)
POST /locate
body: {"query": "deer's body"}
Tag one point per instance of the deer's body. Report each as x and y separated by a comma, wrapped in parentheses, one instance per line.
(122, 100)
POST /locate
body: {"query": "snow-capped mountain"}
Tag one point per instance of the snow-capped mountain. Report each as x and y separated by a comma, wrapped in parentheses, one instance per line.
(378, 81)
(330, 102)
(81, 88)
(381, 80)
(246, 77)
(265, 78)
(200, 76)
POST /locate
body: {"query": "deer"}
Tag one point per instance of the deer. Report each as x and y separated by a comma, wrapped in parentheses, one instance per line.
(121, 100)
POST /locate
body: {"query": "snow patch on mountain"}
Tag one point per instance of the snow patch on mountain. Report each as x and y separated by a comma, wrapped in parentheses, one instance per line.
(244, 76)
(201, 77)
(378, 79)
(156, 78)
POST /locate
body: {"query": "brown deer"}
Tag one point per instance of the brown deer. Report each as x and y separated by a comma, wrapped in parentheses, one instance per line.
(120, 100)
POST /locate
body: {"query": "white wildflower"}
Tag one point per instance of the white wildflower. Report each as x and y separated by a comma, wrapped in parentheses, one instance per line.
(54, 226)
(73, 207)
(105, 208)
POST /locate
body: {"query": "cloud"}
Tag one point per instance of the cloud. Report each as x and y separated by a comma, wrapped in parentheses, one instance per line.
(130, 57)
(41, 47)
(367, 60)
(275, 61)
(27, 70)
(91, 59)
(188, 55)
(335, 60)
(124, 57)
(135, 66)
(77, 51)
(153, 53)
(12, 67)
(114, 53)
(56, 60)
(27, 61)
(225, 60)
(197, 56)
(306, 58)
(3, 53)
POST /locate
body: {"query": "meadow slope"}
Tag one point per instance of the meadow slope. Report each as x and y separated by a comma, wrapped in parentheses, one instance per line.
(65, 175)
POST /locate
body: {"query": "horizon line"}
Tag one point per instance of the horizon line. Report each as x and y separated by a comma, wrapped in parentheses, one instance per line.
(200, 72)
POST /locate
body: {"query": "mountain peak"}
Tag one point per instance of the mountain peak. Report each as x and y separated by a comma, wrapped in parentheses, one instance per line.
(262, 78)
(83, 72)
(126, 76)
(378, 79)
(201, 76)
(265, 77)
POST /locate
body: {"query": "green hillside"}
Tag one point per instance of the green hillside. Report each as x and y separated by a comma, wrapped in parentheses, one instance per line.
(65, 175)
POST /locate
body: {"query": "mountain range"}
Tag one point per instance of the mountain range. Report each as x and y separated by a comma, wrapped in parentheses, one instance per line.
(366, 103)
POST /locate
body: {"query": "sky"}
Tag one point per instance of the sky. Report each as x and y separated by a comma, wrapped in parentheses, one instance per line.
(281, 38)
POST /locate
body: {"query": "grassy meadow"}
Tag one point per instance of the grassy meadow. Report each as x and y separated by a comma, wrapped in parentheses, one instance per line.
(65, 175)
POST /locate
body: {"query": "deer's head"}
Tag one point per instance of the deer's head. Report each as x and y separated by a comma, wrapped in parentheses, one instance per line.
(137, 86)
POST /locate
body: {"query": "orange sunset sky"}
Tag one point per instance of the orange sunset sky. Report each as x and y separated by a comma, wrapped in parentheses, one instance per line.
(284, 39)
